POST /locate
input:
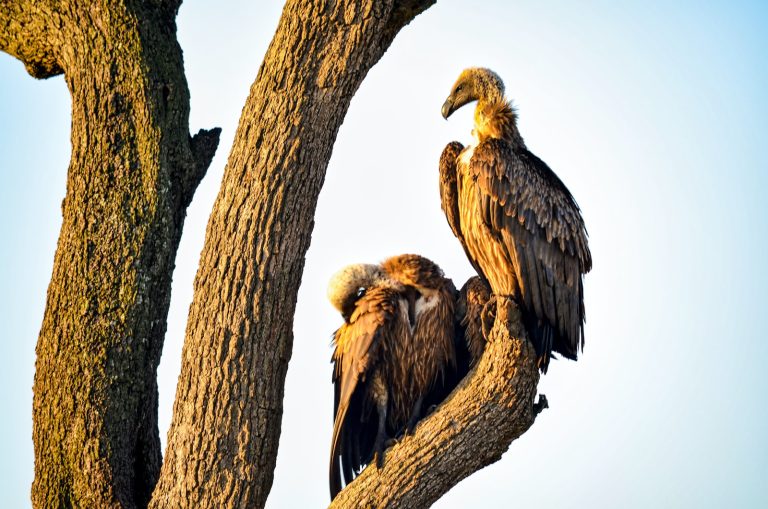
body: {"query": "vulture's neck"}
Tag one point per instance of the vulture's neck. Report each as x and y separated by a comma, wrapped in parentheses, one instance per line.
(495, 118)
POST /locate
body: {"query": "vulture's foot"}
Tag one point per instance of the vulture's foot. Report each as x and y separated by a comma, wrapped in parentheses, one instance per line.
(415, 417)
(488, 316)
(379, 447)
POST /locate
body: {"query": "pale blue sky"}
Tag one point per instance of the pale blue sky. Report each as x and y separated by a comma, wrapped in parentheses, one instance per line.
(654, 116)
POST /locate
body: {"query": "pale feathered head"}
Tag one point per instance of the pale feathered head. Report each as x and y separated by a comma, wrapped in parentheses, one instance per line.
(351, 283)
(473, 84)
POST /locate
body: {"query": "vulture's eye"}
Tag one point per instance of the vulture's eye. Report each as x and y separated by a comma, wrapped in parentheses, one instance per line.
(360, 292)
(458, 89)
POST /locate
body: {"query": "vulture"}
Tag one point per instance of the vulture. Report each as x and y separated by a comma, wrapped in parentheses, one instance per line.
(519, 225)
(393, 356)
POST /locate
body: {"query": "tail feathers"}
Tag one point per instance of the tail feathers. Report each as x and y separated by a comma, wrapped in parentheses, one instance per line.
(347, 456)
(547, 341)
(541, 334)
(352, 445)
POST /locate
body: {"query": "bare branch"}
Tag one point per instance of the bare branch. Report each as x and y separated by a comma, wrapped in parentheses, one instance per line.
(404, 11)
(203, 146)
(491, 408)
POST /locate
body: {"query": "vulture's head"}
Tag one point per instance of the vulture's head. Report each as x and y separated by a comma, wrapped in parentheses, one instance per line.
(349, 284)
(473, 84)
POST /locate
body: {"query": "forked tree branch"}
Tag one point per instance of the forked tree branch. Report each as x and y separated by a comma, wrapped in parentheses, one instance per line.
(491, 408)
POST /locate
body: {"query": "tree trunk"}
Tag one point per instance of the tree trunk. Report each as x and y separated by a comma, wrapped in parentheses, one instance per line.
(132, 174)
(491, 408)
(224, 435)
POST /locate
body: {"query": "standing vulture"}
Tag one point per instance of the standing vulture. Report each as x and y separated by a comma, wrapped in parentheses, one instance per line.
(394, 352)
(519, 225)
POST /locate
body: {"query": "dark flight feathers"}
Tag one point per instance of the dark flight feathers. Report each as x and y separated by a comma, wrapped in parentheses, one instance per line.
(358, 342)
(524, 203)
(395, 356)
(473, 317)
(526, 207)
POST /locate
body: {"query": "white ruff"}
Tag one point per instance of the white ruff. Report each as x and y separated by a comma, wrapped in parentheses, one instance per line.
(425, 303)
(466, 155)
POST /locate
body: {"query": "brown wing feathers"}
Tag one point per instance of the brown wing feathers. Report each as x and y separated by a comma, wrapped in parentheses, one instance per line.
(373, 324)
(473, 297)
(402, 334)
(449, 195)
(399, 338)
(524, 201)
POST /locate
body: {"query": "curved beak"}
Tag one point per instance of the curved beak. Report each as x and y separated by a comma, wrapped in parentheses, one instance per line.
(448, 107)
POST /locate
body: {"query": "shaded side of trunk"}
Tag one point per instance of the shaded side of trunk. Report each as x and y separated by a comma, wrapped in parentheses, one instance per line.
(490, 409)
(131, 176)
(223, 440)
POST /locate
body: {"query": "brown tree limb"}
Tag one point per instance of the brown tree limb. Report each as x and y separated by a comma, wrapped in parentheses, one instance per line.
(491, 408)
(132, 172)
(203, 146)
(223, 440)
(29, 31)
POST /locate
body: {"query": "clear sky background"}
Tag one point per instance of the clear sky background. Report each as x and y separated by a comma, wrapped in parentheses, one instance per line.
(655, 116)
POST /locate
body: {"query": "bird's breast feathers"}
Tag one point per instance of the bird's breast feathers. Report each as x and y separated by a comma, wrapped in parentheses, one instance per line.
(426, 303)
(466, 155)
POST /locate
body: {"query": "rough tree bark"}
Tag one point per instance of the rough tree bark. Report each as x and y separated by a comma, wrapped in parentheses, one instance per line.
(492, 406)
(223, 440)
(133, 171)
